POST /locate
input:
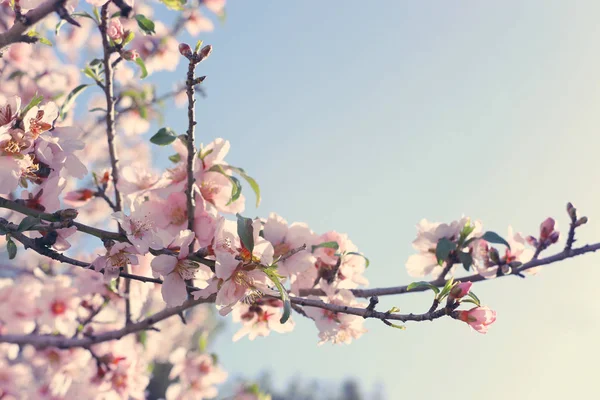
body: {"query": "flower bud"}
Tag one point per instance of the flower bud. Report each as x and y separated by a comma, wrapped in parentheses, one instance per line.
(130, 55)
(460, 290)
(478, 318)
(553, 238)
(115, 30)
(546, 228)
(572, 211)
(205, 51)
(581, 221)
(532, 241)
(185, 50)
(67, 213)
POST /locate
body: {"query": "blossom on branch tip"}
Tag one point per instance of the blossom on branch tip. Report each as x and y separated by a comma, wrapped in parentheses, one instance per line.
(478, 318)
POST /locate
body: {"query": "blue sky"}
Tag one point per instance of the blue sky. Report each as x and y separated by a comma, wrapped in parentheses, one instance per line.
(366, 117)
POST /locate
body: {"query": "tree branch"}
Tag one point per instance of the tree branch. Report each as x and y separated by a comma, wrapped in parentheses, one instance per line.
(563, 255)
(62, 342)
(15, 33)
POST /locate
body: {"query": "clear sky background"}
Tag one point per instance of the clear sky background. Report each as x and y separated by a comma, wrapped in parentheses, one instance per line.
(365, 117)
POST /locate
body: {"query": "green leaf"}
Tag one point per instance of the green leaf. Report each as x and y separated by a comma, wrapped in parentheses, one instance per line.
(327, 245)
(142, 66)
(236, 190)
(446, 289)
(96, 14)
(58, 26)
(392, 310)
(354, 253)
(143, 338)
(465, 259)
(423, 284)
(463, 300)
(287, 304)
(45, 41)
(245, 231)
(97, 109)
(27, 223)
(475, 298)
(175, 158)
(115, 15)
(202, 155)
(401, 327)
(198, 45)
(70, 100)
(11, 247)
(203, 341)
(493, 237)
(37, 99)
(163, 137)
(145, 24)
(127, 39)
(174, 4)
(253, 184)
(84, 15)
(443, 249)
(15, 74)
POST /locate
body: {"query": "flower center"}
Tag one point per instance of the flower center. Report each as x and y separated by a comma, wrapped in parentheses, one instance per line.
(58, 307)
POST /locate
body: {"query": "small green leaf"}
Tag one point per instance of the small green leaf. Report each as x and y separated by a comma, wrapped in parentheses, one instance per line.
(174, 4)
(163, 137)
(143, 338)
(142, 66)
(115, 15)
(145, 24)
(463, 300)
(253, 184)
(475, 298)
(493, 237)
(11, 247)
(446, 289)
(198, 45)
(354, 253)
(203, 341)
(97, 109)
(58, 26)
(45, 41)
(443, 249)
(175, 158)
(203, 155)
(393, 310)
(327, 245)
(27, 223)
(401, 327)
(423, 284)
(70, 100)
(84, 15)
(236, 189)
(15, 74)
(465, 259)
(245, 231)
(127, 39)
(33, 103)
(96, 14)
(287, 304)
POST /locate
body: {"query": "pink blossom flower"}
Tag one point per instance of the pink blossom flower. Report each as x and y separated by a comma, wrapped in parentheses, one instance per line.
(117, 256)
(196, 23)
(57, 305)
(517, 252)
(478, 318)
(238, 269)
(115, 30)
(197, 375)
(285, 238)
(9, 110)
(177, 269)
(140, 228)
(260, 318)
(337, 327)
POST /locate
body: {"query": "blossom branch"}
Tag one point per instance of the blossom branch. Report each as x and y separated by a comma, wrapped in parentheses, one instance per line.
(62, 342)
(16, 33)
(387, 291)
(110, 104)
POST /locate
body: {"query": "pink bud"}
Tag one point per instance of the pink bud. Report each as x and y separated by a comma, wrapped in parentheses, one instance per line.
(546, 228)
(205, 52)
(532, 241)
(478, 318)
(460, 290)
(553, 238)
(185, 49)
(129, 55)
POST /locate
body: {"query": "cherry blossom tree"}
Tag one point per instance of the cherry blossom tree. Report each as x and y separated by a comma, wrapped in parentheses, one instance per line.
(115, 266)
